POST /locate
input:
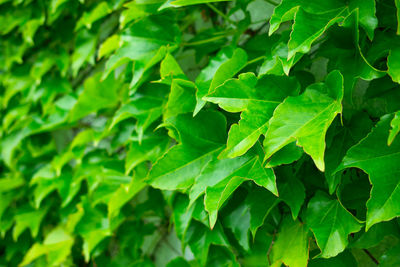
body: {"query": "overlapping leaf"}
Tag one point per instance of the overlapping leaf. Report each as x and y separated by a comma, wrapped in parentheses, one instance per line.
(306, 118)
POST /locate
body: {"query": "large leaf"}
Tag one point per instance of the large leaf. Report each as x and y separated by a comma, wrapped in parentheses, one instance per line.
(256, 99)
(308, 27)
(380, 162)
(306, 118)
(218, 190)
(200, 139)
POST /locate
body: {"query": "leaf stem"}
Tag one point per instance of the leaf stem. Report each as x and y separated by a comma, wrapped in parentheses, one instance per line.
(216, 10)
(255, 60)
(210, 40)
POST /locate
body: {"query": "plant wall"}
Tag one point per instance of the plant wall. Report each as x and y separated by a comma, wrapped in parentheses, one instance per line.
(199, 133)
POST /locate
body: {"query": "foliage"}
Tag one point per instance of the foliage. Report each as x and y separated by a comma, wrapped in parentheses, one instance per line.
(199, 133)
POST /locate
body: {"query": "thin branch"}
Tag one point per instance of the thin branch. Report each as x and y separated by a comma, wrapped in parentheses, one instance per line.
(371, 256)
(255, 60)
(270, 247)
(216, 10)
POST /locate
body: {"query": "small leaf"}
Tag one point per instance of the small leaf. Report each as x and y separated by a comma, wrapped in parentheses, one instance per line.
(56, 246)
(11, 182)
(286, 155)
(96, 95)
(395, 128)
(28, 218)
(150, 148)
(111, 44)
(224, 66)
(393, 64)
(85, 47)
(88, 18)
(292, 192)
(291, 245)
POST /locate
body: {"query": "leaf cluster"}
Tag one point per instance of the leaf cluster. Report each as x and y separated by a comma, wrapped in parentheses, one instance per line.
(199, 133)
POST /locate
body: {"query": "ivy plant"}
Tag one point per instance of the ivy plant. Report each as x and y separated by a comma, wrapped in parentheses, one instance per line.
(200, 133)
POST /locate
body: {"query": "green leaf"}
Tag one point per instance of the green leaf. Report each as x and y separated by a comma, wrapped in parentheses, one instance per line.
(393, 64)
(224, 66)
(28, 218)
(306, 118)
(88, 18)
(182, 215)
(221, 187)
(93, 226)
(259, 210)
(379, 161)
(285, 11)
(331, 224)
(95, 96)
(150, 149)
(291, 245)
(220, 172)
(395, 128)
(200, 238)
(308, 27)
(257, 99)
(181, 98)
(390, 257)
(85, 47)
(367, 16)
(145, 45)
(288, 154)
(169, 67)
(111, 44)
(239, 221)
(346, 136)
(292, 192)
(178, 168)
(145, 109)
(56, 246)
(345, 259)
(11, 182)
(376, 234)
(123, 194)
